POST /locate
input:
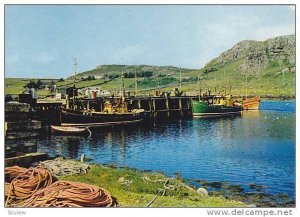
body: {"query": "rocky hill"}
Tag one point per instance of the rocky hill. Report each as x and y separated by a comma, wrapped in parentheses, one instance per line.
(258, 55)
(266, 68)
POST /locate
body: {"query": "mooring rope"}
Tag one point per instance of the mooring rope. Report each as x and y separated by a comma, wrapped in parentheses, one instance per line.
(70, 194)
(159, 178)
(36, 187)
(90, 132)
(170, 187)
(26, 183)
(61, 167)
(13, 172)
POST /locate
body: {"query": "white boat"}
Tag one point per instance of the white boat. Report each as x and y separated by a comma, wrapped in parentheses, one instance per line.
(67, 129)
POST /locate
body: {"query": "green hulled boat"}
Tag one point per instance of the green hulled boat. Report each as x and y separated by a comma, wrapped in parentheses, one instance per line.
(203, 109)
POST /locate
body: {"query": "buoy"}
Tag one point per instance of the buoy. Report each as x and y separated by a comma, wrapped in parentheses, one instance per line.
(202, 191)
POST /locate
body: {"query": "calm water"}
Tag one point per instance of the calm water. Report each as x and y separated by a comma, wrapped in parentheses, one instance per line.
(258, 147)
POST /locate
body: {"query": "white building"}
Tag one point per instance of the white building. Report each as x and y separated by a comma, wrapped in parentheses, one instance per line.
(94, 92)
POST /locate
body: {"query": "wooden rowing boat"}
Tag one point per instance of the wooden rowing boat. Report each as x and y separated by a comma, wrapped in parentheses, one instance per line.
(67, 129)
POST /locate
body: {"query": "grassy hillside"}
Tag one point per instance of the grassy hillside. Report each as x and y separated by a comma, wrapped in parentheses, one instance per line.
(266, 68)
(15, 86)
(158, 71)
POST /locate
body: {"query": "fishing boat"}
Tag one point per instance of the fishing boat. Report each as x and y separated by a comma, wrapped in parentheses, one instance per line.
(214, 106)
(89, 118)
(251, 103)
(114, 113)
(67, 130)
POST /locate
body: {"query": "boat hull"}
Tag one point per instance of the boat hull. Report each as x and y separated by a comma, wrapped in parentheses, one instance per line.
(251, 104)
(202, 109)
(81, 119)
(67, 130)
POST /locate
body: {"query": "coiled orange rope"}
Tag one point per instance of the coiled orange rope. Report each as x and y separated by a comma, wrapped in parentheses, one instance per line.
(13, 172)
(71, 194)
(25, 182)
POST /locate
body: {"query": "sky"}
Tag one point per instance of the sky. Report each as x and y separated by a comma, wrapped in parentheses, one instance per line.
(41, 41)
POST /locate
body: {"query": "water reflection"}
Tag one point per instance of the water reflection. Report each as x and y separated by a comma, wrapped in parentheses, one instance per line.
(258, 147)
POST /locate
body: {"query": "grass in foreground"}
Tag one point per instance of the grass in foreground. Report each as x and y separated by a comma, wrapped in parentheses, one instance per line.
(130, 189)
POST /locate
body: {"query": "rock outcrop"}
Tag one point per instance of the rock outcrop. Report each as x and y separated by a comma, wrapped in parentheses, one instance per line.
(256, 55)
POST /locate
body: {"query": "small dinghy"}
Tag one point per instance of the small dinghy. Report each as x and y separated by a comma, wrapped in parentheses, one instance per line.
(68, 130)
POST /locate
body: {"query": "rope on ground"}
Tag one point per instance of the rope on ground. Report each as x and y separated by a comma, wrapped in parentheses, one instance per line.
(124, 181)
(13, 172)
(159, 178)
(171, 187)
(61, 167)
(71, 194)
(25, 184)
(146, 178)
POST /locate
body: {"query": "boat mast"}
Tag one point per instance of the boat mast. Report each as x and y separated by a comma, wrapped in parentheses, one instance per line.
(123, 86)
(74, 80)
(246, 85)
(199, 81)
(224, 81)
(215, 84)
(135, 81)
(180, 78)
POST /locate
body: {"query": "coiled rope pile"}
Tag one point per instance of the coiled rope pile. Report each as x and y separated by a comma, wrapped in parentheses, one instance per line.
(22, 183)
(36, 187)
(61, 167)
(71, 194)
(13, 172)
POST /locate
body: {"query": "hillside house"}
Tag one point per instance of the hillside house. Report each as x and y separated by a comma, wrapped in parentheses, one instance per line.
(94, 92)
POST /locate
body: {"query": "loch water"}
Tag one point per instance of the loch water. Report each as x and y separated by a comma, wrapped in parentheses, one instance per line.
(257, 147)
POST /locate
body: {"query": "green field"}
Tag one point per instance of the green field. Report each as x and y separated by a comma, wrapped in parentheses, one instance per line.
(14, 86)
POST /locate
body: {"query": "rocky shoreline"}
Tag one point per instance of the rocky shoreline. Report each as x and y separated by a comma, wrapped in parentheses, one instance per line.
(255, 195)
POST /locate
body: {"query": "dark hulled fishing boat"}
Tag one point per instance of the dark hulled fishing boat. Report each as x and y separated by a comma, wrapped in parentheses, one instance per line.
(114, 113)
(87, 118)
